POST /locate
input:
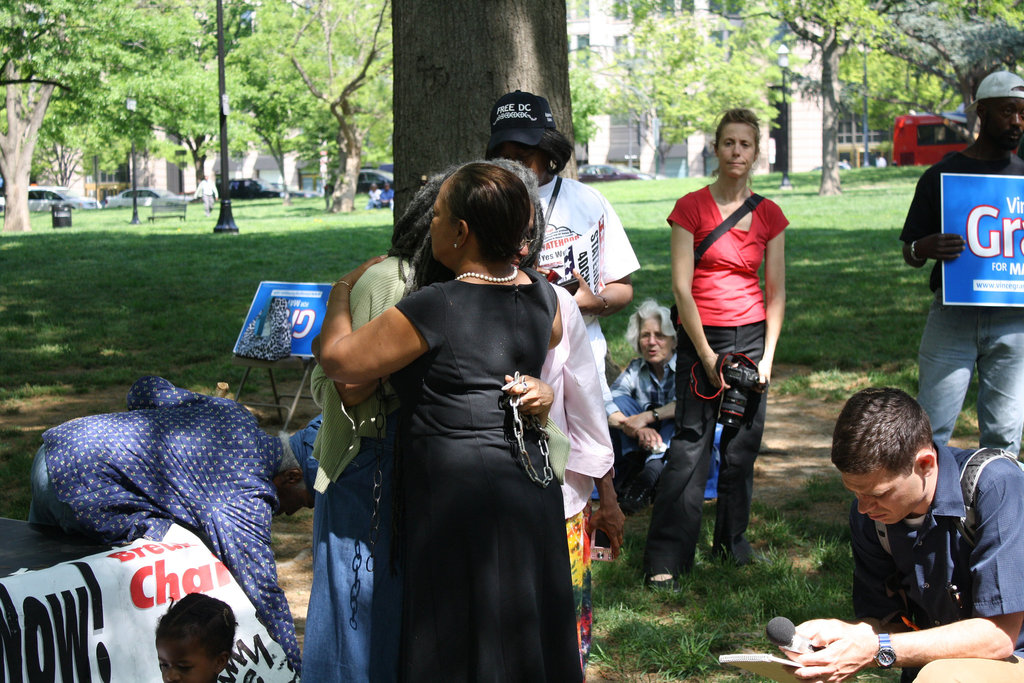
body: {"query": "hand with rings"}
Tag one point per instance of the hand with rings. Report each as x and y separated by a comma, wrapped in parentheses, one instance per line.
(536, 396)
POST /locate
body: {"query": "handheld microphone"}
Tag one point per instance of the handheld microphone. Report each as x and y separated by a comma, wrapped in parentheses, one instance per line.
(782, 632)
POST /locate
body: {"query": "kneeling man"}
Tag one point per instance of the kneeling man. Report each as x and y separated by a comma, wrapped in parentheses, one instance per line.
(931, 599)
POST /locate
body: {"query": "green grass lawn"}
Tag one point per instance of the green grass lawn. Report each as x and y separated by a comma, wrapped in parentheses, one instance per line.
(98, 305)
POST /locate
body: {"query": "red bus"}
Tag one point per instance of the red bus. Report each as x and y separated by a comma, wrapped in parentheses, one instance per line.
(923, 139)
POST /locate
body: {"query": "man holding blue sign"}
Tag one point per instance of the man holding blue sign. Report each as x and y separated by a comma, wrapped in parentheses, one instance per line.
(978, 331)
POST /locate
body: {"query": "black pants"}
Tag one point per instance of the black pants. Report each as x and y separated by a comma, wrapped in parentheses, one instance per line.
(678, 504)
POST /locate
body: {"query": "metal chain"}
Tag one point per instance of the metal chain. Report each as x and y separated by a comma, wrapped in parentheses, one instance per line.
(378, 486)
(378, 475)
(518, 430)
(353, 592)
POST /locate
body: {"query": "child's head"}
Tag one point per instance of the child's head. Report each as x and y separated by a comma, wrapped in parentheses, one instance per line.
(194, 639)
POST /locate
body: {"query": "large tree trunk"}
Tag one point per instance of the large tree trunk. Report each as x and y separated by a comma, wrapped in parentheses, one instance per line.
(286, 197)
(198, 153)
(350, 151)
(453, 60)
(26, 105)
(648, 162)
(830, 52)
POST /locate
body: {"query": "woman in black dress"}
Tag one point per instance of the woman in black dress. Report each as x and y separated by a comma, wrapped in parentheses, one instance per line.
(487, 586)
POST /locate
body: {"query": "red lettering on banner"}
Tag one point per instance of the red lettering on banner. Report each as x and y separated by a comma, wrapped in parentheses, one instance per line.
(223, 575)
(151, 548)
(559, 242)
(123, 555)
(139, 597)
(197, 580)
(169, 586)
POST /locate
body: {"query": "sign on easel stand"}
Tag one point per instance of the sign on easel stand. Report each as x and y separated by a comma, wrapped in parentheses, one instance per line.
(987, 211)
(307, 305)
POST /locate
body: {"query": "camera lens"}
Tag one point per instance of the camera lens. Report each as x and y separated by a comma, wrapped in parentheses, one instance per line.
(734, 403)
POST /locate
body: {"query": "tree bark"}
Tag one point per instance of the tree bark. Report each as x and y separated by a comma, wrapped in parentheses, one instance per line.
(26, 105)
(453, 59)
(350, 151)
(831, 49)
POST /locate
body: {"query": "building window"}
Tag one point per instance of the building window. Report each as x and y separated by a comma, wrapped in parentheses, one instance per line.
(577, 10)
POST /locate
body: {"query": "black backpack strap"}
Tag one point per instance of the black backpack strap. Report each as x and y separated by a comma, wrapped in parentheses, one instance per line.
(970, 473)
(748, 205)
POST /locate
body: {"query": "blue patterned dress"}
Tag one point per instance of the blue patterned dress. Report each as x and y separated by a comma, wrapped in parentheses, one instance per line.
(178, 457)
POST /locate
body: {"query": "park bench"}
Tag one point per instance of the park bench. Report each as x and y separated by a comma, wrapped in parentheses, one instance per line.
(168, 210)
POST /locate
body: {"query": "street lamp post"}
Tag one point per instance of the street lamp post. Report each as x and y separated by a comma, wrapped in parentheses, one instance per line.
(867, 151)
(130, 106)
(783, 147)
(225, 221)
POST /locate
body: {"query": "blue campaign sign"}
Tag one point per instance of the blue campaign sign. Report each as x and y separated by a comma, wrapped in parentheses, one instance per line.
(986, 211)
(307, 304)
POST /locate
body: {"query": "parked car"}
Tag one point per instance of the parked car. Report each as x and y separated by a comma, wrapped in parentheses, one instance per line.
(593, 173)
(253, 188)
(368, 176)
(843, 165)
(146, 196)
(41, 198)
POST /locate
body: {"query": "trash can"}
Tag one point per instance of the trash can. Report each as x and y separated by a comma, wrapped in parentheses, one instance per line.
(61, 215)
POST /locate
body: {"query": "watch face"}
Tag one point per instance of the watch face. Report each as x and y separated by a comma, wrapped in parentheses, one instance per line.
(886, 657)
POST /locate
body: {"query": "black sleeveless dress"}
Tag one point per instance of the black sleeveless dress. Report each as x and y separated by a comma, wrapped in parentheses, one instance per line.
(488, 594)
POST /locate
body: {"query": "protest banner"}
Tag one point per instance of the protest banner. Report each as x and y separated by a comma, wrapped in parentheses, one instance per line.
(94, 617)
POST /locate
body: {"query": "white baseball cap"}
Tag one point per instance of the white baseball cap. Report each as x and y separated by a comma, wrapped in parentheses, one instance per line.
(998, 84)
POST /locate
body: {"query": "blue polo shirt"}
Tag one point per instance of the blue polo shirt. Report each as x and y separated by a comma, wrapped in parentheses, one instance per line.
(929, 561)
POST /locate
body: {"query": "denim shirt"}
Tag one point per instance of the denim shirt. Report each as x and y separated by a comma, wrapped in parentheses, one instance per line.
(638, 382)
(944, 579)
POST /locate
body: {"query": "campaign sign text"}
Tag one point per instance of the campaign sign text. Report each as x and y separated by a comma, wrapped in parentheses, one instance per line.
(307, 304)
(986, 211)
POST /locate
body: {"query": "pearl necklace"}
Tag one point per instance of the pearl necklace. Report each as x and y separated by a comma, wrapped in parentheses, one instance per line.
(488, 278)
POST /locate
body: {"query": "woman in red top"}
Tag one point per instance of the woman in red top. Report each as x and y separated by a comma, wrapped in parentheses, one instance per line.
(722, 311)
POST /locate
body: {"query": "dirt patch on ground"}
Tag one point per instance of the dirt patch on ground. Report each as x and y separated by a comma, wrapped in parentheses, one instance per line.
(795, 447)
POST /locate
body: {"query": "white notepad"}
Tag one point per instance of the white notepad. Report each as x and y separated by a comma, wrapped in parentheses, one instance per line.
(769, 666)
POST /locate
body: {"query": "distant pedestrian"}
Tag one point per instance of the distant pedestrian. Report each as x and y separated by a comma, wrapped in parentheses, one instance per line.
(374, 197)
(207, 190)
(387, 197)
(328, 194)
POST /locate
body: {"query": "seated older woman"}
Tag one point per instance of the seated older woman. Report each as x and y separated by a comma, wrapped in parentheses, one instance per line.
(642, 410)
